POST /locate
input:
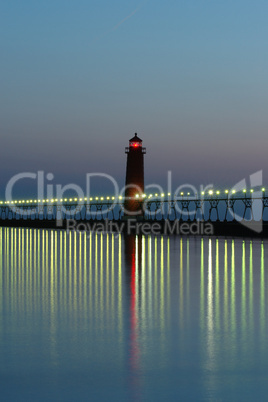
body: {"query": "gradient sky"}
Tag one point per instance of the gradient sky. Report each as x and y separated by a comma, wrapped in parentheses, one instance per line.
(79, 78)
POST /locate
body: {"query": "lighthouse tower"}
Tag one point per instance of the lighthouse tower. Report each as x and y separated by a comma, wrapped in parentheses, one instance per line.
(134, 177)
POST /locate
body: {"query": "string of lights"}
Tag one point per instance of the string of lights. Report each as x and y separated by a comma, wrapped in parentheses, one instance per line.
(120, 199)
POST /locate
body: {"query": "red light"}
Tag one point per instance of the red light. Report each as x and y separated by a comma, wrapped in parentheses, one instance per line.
(135, 144)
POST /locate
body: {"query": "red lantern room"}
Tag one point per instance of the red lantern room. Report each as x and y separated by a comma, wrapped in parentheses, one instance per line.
(136, 143)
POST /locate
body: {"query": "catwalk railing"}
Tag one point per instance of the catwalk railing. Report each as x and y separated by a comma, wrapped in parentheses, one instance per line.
(208, 208)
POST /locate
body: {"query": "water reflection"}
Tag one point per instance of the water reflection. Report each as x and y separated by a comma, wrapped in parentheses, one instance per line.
(135, 306)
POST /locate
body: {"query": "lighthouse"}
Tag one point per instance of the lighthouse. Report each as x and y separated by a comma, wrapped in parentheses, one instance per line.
(134, 188)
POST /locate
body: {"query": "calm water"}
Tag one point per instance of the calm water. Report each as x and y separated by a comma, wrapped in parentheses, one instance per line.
(105, 318)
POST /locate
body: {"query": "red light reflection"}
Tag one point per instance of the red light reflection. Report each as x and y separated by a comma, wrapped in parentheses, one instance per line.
(134, 318)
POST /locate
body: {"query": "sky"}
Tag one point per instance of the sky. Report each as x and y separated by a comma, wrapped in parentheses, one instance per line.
(79, 78)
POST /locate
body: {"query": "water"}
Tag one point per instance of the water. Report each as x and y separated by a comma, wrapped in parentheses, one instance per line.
(105, 318)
